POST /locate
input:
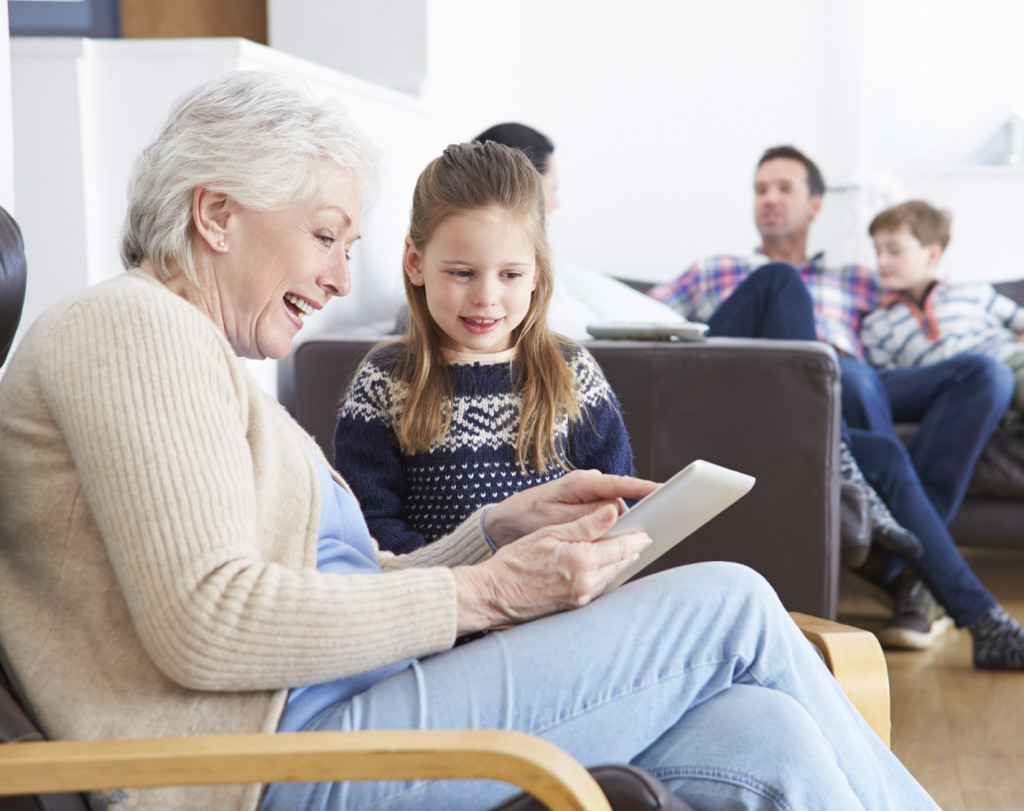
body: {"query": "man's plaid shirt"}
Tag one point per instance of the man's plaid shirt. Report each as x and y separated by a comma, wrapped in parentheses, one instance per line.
(841, 296)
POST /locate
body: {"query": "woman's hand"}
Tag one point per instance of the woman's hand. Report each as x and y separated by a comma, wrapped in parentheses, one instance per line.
(552, 569)
(560, 501)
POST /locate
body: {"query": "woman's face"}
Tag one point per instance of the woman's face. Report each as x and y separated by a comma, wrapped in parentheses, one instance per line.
(276, 268)
(550, 182)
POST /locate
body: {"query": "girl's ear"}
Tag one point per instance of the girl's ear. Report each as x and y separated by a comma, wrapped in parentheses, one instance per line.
(210, 213)
(413, 263)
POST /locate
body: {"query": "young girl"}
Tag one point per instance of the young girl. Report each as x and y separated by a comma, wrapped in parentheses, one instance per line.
(478, 399)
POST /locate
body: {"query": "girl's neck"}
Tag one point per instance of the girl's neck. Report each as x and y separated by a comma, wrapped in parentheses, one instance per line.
(453, 356)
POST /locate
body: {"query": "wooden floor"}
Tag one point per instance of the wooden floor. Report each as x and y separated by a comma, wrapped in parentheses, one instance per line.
(959, 731)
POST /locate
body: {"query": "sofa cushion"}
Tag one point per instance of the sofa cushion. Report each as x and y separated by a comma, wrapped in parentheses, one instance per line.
(1000, 470)
(1013, 289)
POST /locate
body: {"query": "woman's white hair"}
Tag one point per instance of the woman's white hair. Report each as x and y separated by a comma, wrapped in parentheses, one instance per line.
(261, 139)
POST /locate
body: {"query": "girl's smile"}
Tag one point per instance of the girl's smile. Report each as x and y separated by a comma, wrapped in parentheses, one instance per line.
(481, 326)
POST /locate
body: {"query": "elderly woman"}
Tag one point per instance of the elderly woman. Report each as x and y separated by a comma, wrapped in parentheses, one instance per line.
(178, 557)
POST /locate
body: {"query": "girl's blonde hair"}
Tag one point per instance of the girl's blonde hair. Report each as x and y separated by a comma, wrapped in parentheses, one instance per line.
(467, 178)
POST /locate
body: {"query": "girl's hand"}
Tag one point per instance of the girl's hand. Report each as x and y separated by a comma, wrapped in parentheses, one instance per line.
(553, 569)
(560, 501)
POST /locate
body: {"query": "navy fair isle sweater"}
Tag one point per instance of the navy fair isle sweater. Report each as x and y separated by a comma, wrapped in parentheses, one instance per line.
(410, 500)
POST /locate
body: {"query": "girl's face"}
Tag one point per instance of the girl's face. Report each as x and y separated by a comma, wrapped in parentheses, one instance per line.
(479, 271)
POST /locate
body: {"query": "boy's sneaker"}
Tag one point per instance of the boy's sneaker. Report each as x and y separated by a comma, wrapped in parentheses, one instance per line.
(998, 641)
(916, 621)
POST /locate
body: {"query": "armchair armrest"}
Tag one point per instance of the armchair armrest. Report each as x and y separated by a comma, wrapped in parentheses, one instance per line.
(533, 764)
(856, 660)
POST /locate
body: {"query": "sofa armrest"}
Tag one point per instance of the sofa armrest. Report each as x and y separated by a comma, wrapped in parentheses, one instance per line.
(313, 379)
(767, 408)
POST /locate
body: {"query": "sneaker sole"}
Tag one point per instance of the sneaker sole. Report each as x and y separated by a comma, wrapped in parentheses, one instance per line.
(908, 639)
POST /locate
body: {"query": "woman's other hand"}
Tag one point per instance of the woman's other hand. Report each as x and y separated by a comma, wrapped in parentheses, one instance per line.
(561, 501)
(553, 569)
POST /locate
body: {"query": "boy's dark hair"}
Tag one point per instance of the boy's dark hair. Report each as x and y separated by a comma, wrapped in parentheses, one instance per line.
(815, 182)
(929, 225)
(536, 145)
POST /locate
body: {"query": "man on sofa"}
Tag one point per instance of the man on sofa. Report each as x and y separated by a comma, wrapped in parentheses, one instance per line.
(958, 406)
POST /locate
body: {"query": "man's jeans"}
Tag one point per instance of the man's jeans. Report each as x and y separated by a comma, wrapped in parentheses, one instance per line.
(959, 404)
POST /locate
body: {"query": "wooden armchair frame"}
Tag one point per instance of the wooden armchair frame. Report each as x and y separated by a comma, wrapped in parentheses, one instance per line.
(534, 765)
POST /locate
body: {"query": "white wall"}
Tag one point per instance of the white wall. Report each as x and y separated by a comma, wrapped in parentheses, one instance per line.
(6, 124)
(987, 204)
(659, 112)
(383, 42)
(659, 116)
(932, 80)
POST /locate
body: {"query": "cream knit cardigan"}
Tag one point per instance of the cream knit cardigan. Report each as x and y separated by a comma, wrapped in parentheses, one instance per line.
(158, 530)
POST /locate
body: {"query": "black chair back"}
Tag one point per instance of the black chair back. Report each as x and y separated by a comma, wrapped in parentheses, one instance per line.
(12, 281)
(15, 724)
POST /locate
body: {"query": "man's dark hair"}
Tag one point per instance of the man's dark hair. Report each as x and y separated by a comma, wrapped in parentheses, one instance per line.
(536, 145)
(815, 182)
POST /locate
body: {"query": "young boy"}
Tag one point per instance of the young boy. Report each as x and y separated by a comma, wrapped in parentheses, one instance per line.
(922, 320)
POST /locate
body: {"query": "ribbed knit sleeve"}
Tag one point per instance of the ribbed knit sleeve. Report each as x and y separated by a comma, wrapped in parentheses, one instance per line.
(204, 494)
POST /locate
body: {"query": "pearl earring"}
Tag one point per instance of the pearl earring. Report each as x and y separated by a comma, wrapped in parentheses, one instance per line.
(220, 243)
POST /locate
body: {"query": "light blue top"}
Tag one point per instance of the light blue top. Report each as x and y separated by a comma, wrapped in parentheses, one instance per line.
(344, 547)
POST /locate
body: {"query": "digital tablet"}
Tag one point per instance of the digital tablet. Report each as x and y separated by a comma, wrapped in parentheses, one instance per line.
(683, 504)
(649, 330)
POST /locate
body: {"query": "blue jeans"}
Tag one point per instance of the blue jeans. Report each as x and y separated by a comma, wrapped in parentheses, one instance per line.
(772, 302)
(958, 402)
(886, 464)
(695, 674)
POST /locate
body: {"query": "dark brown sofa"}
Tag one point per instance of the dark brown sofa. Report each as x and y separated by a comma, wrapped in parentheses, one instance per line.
(993, 511)
(767, 408)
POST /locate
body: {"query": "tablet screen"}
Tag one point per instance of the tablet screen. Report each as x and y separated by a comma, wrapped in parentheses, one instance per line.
(683, 504)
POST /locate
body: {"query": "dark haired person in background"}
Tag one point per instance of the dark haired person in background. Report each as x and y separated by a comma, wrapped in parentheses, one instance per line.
(537, 147)
(581, 295)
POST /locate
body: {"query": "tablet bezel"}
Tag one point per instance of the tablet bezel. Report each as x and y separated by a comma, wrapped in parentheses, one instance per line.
(679, 507)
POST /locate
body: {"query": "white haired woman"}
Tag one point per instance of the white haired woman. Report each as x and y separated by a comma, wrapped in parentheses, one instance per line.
(179, 558)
